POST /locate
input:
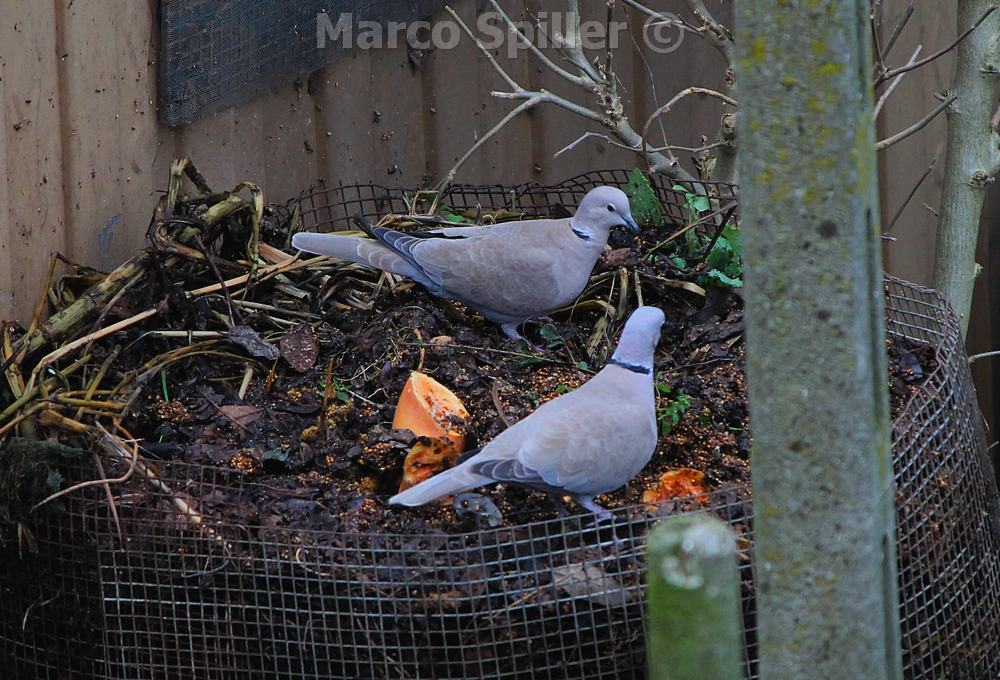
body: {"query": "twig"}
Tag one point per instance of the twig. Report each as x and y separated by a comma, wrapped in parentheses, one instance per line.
(580, 81)
(913, 192)
(895, 83)
(718, 34)
(234, 314)
(677, 97)
(96, 482)
(892, 73)
(450, 175)
(112, 505)
(671, 147)
(86, 340)
(245, 385)
(482, 48)
(897, 30)
(495, 393)
(900, 136)
(701, 220)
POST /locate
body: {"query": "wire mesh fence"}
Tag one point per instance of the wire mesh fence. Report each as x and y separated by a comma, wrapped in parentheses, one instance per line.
(148, 592)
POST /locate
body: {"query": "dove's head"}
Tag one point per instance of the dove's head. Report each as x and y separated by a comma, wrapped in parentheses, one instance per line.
(639, 339)
(600, 211)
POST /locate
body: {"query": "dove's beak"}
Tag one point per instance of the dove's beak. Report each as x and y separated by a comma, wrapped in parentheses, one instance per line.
(631, 224)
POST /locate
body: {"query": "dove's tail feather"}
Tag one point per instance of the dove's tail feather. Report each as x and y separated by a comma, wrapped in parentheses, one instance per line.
(361, 250)
(455, 480)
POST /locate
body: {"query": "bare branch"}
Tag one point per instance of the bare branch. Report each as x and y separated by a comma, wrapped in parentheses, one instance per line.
(585, 83)
(895, 83)
(681, 95)
(917, 127)
(450, 175)
(892, 73)
(546, 96)
(482, 48)
(636, 149)
(898, 30)
(573, 44)
(913, 192)
(718, 34)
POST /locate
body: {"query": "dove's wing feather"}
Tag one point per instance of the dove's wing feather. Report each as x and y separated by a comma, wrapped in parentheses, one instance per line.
(361, 250)
(514, 270)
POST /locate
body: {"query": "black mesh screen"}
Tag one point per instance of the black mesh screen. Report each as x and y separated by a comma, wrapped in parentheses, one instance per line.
(218, 53)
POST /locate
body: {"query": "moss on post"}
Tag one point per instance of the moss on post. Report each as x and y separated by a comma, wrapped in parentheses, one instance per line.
(694, 601)
(816, 362)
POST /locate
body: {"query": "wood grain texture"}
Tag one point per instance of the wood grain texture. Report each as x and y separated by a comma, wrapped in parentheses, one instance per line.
(34, 209)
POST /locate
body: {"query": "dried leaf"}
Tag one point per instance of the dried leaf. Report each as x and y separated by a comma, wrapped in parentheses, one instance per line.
(300, 348)
(241, 415)
(250, 340)
(679, 483)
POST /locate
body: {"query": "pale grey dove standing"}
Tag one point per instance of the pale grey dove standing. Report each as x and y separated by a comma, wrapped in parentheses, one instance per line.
(588, 442)
(510, 272)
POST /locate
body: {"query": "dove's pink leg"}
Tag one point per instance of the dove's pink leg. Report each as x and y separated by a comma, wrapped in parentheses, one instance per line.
(589, 504)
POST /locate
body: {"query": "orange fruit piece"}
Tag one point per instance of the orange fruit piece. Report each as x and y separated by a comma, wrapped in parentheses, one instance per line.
(677, 483)
(427, 457)
(429, 409)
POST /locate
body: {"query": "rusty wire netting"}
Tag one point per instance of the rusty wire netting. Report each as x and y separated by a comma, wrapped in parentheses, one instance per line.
(154, 594)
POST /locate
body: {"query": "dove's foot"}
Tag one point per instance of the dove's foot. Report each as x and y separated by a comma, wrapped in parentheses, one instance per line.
(602, 513)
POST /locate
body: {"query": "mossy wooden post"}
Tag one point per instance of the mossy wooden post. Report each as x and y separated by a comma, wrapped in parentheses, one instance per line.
(695, 624)
(816, 360)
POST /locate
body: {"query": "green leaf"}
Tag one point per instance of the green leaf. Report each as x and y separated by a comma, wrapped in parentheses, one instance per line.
(646, 206)
(721, 256)
(679, 262)
(549, 332)
(583, 366)
(670, 415)
(717, 278)
(563, 389)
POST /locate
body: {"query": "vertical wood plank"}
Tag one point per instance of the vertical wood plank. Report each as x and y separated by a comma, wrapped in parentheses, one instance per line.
(398, 143)
(344, 119)
(7, 251)
(457, 101)
(147, 147)
(289, 151)
(92, 109)
(210, 143)
(34, 206)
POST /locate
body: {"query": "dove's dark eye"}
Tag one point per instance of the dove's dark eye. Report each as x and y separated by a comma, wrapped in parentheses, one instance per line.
(611, 208)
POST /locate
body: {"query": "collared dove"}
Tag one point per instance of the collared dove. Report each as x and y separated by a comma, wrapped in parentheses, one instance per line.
(510, 272)
(588, 442)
